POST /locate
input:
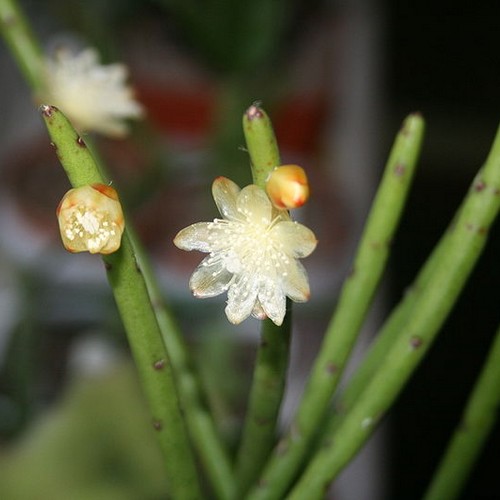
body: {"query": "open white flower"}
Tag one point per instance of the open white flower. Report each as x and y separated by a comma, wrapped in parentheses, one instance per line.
(253, 254)
(94, 97)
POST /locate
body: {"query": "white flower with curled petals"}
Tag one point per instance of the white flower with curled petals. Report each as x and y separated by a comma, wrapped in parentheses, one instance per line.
(253, 254)
(94, 97)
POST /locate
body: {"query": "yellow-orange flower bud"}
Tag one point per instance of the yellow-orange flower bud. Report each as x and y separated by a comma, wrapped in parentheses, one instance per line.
(287, 186)
(91, 219)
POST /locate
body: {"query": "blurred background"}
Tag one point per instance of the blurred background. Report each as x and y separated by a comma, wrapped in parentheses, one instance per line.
(337, 79)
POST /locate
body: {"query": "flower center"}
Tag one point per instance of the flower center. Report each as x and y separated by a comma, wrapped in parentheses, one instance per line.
(89, 229)
(254, 250)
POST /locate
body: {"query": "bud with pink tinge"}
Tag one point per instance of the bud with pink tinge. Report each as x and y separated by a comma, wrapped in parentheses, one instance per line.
(287, 186)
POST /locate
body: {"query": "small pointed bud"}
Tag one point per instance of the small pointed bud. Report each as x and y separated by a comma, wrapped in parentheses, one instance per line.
(91, 219)
(287, 186)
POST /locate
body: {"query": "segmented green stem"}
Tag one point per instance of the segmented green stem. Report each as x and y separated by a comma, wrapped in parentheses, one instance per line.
(259, 433)
(387, 336)
(26, 51)
(468, 439)
(462, 249)
(22, 43)
(261, 144)
(201, 426)
(355, 299)
(138, 316)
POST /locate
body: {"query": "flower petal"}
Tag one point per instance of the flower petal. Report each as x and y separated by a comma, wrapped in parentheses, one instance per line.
(295, 282)
(225, 193)
(241, 299)
(94, 96)
(209, 279)
(258, 312)
(297, 240)
(254, 204)
(273, 301)
(194, 237)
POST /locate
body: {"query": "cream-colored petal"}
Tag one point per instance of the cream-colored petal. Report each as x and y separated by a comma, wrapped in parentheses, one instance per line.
(297, 240)
(273, 301)
(254, 204)
(258, 311)
(94, 96)
(241, 299)
(295, 282)
(225, 193)
(209, 279)
(194, 237)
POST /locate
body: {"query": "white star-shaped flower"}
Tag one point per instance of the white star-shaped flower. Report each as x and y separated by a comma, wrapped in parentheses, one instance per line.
(93, 96)
(253, 254)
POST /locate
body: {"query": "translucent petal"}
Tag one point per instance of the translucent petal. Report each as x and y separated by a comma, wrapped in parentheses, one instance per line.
(273, 301)
(297, 240)
(194, 237)
(295, 283)
(241, 299)
(209, 279)
(94, 96)
(254, 204)
(225, 193)
(258, 312)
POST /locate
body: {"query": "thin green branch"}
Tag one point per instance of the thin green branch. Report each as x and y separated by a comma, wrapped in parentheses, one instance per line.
(259, 435)
(259, 432)
(463, 247)
(201, 426)
(468, 439)
(261, 144)
(387, 336)
(22, 43)
(138, 316)
(355, 299)
(26, 51)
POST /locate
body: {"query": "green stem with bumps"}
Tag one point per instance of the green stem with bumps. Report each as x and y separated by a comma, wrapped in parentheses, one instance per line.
(261, 144)
(259, 435)
(22, 43)
(259, 432)
(26, 51)
(204, 434)
(201, 426)
(138, 316)
(477, 422)
(355, 299)
(463, 247)
(387, 336)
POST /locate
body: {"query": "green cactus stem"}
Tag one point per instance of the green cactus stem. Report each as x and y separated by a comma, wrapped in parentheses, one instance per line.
(355, 298)
(139, 319)
(467, 237)
(386, 337)
(82, 169)
(261, 144)
(469, 437)
(259, 433)
(22, 43)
